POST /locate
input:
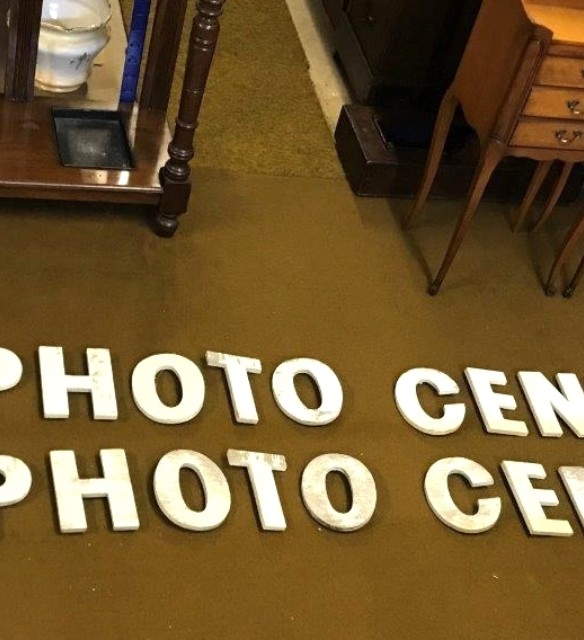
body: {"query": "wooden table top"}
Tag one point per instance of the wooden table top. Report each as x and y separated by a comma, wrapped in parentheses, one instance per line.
(565, 20)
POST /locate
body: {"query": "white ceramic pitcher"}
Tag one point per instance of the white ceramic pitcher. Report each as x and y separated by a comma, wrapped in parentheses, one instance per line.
(72, 33)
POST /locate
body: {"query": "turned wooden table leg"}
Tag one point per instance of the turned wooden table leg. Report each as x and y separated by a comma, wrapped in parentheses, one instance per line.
(175, 175)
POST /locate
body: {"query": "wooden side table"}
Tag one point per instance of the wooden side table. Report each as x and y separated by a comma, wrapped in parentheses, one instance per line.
(520, 85)
(160, 175)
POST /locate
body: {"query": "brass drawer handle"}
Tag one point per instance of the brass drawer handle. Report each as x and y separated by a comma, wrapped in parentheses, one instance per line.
(563, 138)
(574, 107)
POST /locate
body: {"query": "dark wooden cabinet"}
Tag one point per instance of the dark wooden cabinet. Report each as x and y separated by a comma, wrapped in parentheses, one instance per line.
(370, 21)
(394, 50)
(334, 9)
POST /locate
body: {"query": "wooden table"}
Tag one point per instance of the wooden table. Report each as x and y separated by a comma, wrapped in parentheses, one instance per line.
(520, 85)
(29, 163)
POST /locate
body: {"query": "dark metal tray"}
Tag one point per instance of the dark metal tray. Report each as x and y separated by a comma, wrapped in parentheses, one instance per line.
(92, 139)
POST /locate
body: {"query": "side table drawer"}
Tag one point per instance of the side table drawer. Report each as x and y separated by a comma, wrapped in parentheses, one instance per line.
(548, 102)
(561, 72)
(548, 134)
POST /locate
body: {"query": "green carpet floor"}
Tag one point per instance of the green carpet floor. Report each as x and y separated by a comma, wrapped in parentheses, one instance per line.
(278, 267)
(260, 113)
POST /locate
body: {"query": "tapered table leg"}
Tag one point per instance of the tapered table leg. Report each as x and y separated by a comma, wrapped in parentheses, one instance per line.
(441, 128)
(541, 171)
(489, 160)
(555, 195)
(569, 290)
(563, 254)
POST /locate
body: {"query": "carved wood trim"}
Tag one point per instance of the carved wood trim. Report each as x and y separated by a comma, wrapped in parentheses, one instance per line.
(203, 39)
(175, 174)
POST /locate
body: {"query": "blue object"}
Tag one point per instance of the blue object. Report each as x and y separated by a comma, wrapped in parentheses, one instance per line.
(136, 40)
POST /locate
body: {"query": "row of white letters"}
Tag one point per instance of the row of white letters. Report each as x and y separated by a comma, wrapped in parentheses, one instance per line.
(519, 475)
(116, 487)
(56, 385)
(547, 402)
